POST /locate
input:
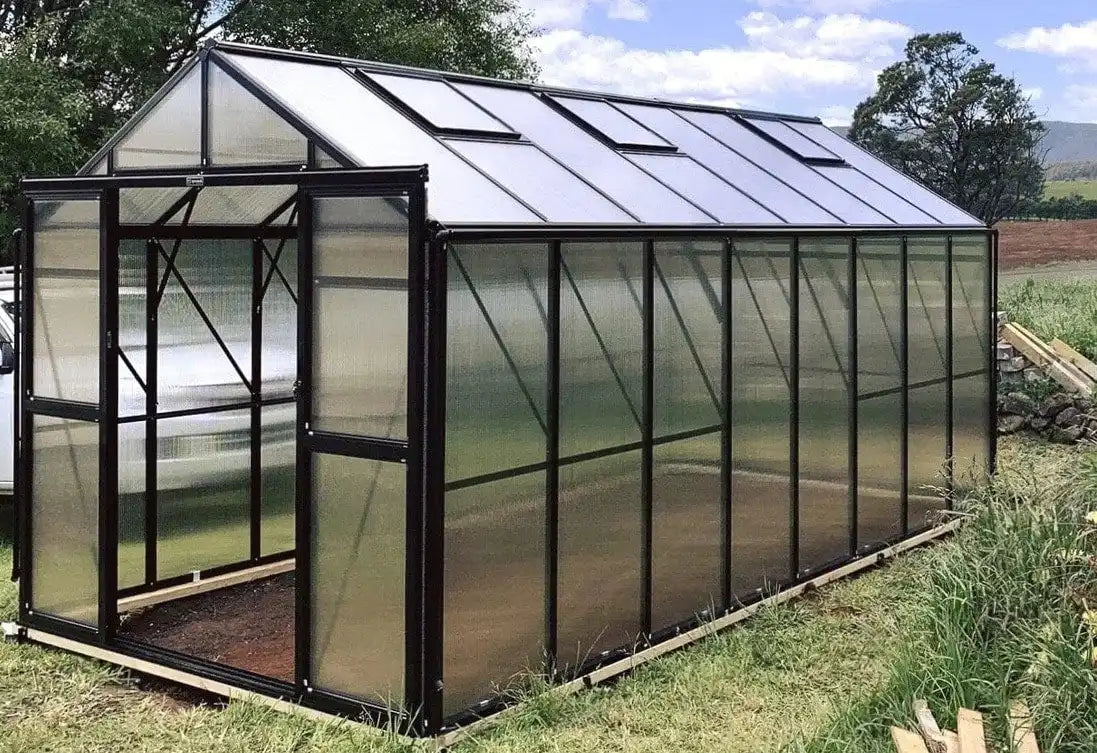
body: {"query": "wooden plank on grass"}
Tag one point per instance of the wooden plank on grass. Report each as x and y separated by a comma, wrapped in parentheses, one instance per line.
(1021, 729)
(1037, 352)
(907, 741)
(969, 728)
(1074, 358)
(952, 741)
(927, 725)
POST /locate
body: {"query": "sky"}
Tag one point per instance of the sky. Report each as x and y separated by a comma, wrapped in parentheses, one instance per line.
(808, 57)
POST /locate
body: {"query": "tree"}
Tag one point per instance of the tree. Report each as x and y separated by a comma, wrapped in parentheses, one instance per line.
(71, 71)
(949, 119)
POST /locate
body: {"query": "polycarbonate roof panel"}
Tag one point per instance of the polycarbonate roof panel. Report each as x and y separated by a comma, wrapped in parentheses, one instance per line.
(439, 104)
(541, 182)
(369, 130)
(894, 206)
(794, 141)
(939, 208)
(780, 198)
(605, 167)
(611, 122)
(720, 199)
(783, 165)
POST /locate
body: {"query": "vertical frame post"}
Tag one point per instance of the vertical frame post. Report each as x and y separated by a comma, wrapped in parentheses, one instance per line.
(904, 381)
(854, 388)
(647, 433)
(152, 346)
(950, 463)
(726, 378)
(255, 488)
(552, 480)
(26, 385)
(204, 149)
(108, 411)
(794, 408)
(991, 293)
(18, 240)
(303, 393)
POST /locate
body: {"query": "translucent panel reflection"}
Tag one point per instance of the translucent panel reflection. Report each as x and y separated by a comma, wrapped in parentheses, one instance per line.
(358, 577)
(601, 345)
(824, 500)
(203, 471)
(280, 320)
(879, 381)
(686, 505)
(170, 134)
(65, 510)
(244, 131)
(705, 189)
(131, 504)
(360, 248)
(598, 583)
(496, 358)
(926, 453)
(143, 206)
(970, 431)
(194, 370)
(760, 495)
(279, 478)
(439, 103)
(971, 342)
(495, 587)
(132, 327)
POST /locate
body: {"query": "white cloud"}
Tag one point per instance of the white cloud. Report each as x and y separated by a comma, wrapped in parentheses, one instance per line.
(1033, 93)
(823, 7)
(558, 14)
(1076, 42)
(1079, 103)
(842, 37)
(836, 115)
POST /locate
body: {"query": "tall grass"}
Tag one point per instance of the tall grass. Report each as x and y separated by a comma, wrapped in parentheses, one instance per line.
(1067, 310)
(1002, 616)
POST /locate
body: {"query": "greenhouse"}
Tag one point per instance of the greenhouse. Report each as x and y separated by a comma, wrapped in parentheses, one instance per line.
(380, 390)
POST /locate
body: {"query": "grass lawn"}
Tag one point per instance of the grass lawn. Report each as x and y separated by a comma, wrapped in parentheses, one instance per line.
(1055, 189)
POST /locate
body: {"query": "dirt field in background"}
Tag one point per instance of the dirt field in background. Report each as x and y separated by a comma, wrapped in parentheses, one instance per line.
(1031, 244)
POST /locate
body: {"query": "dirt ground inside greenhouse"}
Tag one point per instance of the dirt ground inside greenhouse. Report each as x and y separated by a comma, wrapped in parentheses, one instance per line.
(248, 626)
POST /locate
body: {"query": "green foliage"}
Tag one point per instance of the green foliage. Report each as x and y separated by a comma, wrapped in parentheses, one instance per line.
(1067, 310)
(952, 121)
(1001, 616)
(1038, 391)
(1062, 189)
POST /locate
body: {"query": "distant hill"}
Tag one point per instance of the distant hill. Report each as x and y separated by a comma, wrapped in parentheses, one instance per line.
(1064, 142)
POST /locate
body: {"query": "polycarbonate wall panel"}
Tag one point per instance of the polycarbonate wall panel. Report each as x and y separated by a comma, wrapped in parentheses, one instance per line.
(358, 563)
(687, 494)
(925, 199)
(606, 168)
(170, 134)
(64, 512)
(495, 587)
(132, 327)
(880, 384)
(244, 131)
(761, 401)
(131, 504)
(194, 371)
(779, 198)
(927, 350)
(601, 345)
(786, 167)
(541, 182)
(278, 478)
(598, 580)
(330, 100)
(148, 205)
(497, 376)
(706, 189)
(237, 205)
(824, 402)
(971, 262)
(203, 474)
(279, 348)
(65, 303)
(360, 271)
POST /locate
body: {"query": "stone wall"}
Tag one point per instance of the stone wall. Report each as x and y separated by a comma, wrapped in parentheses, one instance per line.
(1061, 417)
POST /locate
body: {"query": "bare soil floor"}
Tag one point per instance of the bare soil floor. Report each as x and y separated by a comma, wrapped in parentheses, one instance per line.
(1032, 244)
(249, 626)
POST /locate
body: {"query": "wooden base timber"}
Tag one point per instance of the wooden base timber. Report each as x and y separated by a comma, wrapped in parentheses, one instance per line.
(183, 590)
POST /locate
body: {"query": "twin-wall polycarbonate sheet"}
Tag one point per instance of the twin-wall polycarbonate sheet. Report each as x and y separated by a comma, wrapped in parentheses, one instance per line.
(497, 377)
(279, 312)
(624, 182)
(244, 131)
(927, 343)
(687, 492)
(131, 504)
(278, 478)
(897, 208)
(439, 103)
(723, 201)
(779, 198)
(761, 401)
(781, 132)
(545, 185)
(330, 100)
(601, 389)
(942, 210)
(170, 133)
(64, 510)
(824, 402)
(132, 327)
(971, 262)
(65, 300)
(834, 199)
(610, 122)
(880, 384)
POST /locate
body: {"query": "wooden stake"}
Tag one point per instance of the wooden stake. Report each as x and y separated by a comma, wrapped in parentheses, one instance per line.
(1021, 729)
(969, 728)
